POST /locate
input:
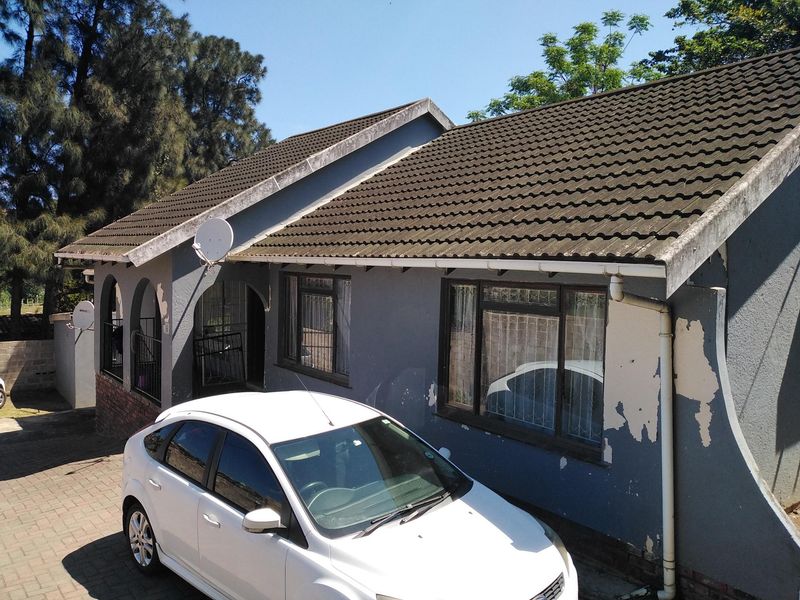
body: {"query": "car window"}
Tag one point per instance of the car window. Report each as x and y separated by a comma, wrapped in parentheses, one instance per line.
(154, 442)
(245, 479)
(190, 450)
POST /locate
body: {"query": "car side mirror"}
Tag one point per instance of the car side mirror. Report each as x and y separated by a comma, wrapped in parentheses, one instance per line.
(261, 520)
(445, 452)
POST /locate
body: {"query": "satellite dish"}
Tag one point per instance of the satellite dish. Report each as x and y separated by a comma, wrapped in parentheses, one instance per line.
(83, 315)
(213, 241)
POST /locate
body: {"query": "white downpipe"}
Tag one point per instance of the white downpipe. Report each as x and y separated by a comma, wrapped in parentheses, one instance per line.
(615, 289)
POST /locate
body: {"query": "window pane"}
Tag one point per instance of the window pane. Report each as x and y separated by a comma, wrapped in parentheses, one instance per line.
(244, 477)
(461, 363)
(343, 326)
(317, 336)
(521, 295)
(519, 367)
(190, 449)
(318, 283)
(290, 327)
(154, 443)
(584, 343)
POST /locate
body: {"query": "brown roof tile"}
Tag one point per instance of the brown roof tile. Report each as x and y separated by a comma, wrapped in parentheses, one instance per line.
(618, 175)
(143, 225)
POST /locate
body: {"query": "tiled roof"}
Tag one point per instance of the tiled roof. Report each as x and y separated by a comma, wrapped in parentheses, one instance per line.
(159, 217)
(615, 176)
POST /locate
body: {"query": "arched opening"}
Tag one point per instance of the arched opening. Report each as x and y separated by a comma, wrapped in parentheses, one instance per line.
(229, 338)
(146, 342)
(111, 328)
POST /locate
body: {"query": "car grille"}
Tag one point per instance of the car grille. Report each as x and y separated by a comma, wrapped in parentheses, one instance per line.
(552, 591)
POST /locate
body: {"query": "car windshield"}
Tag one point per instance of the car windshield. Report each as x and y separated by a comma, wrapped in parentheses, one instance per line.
(352, 476)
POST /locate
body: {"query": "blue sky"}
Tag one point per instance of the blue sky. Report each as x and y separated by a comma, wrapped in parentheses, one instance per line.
(331, 60)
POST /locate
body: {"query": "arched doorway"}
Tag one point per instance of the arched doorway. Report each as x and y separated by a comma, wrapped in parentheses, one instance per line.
(229, 339)
(111, 316)
(146, 342)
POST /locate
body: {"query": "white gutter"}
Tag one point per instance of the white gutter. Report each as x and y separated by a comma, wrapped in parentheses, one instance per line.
(542, 266)
(615, 290)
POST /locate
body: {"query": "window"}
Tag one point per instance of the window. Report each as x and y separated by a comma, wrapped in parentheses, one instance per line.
(155, 442)
(315, 324)
(525, 359)
(190, 450)
(245, 479)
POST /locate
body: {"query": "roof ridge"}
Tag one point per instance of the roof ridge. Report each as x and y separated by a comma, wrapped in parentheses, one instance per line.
(631, 88)
(373, 114)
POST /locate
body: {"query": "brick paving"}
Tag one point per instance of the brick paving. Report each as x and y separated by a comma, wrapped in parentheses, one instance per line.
(60, 518)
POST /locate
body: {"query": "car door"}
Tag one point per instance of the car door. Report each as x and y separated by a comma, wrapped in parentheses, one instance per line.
(175, 488)
(242, 565)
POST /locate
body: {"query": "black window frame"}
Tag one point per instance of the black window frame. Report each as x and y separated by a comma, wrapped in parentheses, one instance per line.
(555, 441)
(295, 364)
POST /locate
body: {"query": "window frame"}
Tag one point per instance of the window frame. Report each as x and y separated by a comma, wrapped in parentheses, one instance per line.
(555, 441)
(286, 361)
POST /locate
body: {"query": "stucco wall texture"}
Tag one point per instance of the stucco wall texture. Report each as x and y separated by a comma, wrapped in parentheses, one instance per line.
(764, 336)
(28, 365)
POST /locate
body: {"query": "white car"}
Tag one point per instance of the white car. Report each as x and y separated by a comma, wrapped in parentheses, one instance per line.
(2, 392)
(303, 496)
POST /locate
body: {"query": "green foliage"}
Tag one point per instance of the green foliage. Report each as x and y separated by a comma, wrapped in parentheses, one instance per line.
(106, 105)
(727, 31)
(583, 64)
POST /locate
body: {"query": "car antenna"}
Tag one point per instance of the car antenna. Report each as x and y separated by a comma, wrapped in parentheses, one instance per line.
(319, 406)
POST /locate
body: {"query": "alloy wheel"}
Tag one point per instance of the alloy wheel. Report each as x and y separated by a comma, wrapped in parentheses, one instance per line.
(140, 536)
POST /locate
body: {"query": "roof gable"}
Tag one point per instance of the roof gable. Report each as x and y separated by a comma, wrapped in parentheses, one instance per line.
(162, 225)
(635, 175)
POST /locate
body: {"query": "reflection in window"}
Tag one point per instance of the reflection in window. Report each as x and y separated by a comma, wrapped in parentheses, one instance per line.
(244, 478)
(540, 351)
(190, 449)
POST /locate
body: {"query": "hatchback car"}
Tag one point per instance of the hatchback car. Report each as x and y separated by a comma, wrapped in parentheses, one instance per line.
(304, 496)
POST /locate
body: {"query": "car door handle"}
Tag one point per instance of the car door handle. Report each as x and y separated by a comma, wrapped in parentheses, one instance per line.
(155, 484)
(210, 521)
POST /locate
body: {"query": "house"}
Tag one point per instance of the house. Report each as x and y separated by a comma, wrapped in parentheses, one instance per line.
(593, 304)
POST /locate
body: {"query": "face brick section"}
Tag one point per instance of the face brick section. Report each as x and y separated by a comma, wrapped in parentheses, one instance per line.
(121, 413)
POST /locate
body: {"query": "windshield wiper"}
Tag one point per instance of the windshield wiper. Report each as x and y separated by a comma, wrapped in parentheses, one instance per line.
(429, 504)
(420, 507)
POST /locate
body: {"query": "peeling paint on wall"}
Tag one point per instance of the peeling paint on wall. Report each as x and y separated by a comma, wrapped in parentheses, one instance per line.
(163, 306)
(632, 381)
(563, 462)
(607, 451)
(432, 395)
(649, 545)
(694, 377)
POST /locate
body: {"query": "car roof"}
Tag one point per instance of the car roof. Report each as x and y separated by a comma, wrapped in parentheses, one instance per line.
(279, 416)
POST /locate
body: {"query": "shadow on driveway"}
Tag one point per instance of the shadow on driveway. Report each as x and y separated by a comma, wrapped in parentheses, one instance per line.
(104, 568)
(47, 441)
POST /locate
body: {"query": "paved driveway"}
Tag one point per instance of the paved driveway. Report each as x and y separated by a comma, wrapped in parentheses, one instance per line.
(60, 522)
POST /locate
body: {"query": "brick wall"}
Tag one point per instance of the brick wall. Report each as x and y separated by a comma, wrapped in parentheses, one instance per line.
(120, 413)
(28, 364)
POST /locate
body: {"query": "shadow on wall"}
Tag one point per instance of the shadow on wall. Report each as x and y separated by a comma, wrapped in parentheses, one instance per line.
(104, 568)
(788, 434)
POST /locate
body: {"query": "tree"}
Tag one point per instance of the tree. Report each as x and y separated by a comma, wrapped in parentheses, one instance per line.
(729, 31)
(581, 65)
(106, 105)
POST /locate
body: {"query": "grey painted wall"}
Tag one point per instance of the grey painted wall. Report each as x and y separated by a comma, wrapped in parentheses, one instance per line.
(190, 279)
(394, 367)
(729, 526)
(74, 358)
(764, 336)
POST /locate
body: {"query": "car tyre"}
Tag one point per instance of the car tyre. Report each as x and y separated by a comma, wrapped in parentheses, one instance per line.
(141, 539)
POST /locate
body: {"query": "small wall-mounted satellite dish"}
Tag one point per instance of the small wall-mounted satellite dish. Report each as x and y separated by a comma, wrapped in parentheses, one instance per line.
(83, 315)
(213, 241)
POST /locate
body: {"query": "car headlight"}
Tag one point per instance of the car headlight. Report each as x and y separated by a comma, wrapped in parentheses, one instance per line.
(556, 541)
